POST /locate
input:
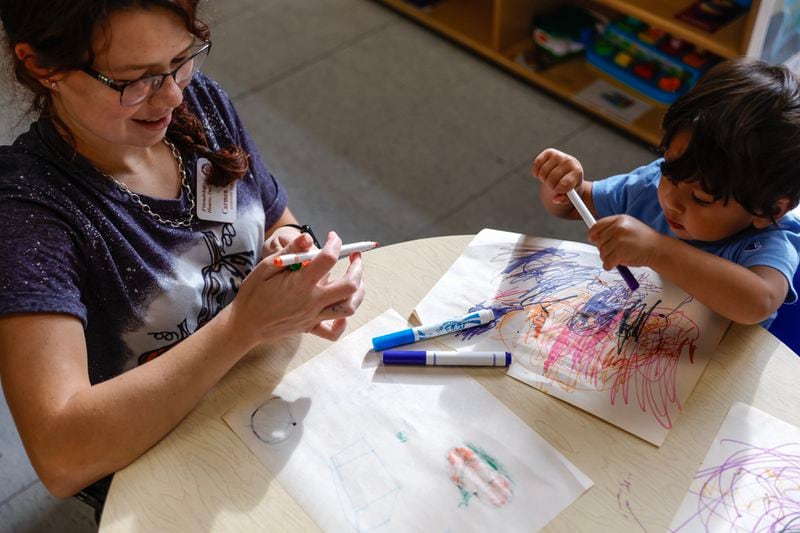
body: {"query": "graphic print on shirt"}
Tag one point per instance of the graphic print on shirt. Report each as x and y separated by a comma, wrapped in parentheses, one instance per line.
(222, 277)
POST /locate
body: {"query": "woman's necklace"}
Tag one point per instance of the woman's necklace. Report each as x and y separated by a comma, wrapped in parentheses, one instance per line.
(135, 198)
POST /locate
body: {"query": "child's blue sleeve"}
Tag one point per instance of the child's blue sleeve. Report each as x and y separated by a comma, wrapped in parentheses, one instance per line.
(626, 193)
(777, 249)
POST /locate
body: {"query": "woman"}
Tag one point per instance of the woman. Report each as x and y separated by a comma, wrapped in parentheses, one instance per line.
(132, 231)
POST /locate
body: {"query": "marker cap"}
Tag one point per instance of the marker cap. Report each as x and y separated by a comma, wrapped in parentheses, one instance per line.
(391, 340)
(404, 357)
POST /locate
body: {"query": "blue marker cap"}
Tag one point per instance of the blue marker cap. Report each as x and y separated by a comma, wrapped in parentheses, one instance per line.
(508, 358)
(405, 357)
(391, 340)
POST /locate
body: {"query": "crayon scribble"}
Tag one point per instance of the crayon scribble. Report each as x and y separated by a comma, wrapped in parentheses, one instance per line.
(753, 489)
(479, 475)
(587, 331)
(624, 502)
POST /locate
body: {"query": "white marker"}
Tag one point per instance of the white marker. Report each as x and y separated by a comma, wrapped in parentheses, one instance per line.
(436, 358)
(587, 217)
(452, 325)
(347, 249)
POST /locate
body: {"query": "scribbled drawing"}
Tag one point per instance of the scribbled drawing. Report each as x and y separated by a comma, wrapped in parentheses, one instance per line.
(581, 327)
(366, 489)
(624, 502)
(477, 474)
(754, 489)
(272, 421)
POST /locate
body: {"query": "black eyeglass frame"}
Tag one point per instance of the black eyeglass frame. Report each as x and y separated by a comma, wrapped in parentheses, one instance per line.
(205, 47)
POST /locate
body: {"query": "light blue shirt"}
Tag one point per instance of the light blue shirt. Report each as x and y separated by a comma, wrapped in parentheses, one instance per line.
(635, 194)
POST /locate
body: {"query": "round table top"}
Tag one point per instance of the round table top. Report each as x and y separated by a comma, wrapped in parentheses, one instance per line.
(201, 477)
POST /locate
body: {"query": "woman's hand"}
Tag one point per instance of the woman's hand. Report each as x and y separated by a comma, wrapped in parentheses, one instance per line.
(624, 240)
(280, 239)
(273, 302)
(559, 172)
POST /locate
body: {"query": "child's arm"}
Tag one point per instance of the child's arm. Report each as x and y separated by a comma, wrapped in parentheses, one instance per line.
(559, 173)
(743, 295)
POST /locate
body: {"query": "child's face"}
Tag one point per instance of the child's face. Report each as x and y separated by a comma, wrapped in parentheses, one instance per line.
(693, 214)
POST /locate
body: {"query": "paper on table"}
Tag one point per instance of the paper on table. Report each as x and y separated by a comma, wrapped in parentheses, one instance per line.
(749, 480)
(576, 331)
(359, 445)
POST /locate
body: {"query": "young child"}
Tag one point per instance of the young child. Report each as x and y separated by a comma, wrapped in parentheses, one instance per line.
(711, 216)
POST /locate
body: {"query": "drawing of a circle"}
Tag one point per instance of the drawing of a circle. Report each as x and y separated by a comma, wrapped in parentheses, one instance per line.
(273, 422)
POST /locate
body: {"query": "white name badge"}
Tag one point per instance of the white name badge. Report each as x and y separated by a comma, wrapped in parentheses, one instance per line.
(217, 204)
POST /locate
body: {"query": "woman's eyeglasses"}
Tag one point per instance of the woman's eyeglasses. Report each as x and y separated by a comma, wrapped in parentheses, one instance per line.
(137, 91)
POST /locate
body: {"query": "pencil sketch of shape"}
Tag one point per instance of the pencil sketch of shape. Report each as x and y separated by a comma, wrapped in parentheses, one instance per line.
(366, 489)
(272, 422)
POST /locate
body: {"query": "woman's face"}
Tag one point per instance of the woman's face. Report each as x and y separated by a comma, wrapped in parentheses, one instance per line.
(133, 44)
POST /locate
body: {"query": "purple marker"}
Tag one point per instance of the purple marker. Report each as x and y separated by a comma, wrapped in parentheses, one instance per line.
(587, 217)
(436, 358)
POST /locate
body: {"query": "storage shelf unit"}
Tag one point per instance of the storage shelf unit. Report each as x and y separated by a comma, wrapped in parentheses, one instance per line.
(500, 29)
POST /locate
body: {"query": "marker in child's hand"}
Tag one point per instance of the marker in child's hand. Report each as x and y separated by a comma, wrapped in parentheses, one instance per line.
(299, 259)
(587, 217)
(436, 358)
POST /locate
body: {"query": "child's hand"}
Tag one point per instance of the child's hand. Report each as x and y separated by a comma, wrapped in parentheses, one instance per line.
(558, 171)
(624, 240)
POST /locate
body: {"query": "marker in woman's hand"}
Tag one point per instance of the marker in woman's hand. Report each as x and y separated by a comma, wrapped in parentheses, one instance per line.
(587, 217)
(300, 259)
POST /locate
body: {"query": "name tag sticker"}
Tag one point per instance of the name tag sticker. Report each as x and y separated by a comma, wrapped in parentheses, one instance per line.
(217, 204)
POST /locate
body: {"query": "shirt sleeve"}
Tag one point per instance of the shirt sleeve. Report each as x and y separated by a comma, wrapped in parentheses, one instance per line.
(41, 261)
(772, 249)
(616, 195)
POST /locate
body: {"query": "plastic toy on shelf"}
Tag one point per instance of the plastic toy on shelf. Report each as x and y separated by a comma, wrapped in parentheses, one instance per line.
(560, 34)
(648, 59)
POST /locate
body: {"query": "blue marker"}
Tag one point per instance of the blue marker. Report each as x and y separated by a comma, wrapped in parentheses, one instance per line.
(407, 336)
(435, 358)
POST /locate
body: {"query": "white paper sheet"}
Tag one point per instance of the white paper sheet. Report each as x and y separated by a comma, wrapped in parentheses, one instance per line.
(749, 480)
(576, 331)
(364, 447)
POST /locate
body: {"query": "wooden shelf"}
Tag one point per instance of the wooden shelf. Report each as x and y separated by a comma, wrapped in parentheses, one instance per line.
(569, 78)
(467, 21)
(499, 30)
(728, 41)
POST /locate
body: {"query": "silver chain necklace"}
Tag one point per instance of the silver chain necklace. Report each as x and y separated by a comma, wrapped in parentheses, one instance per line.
(135, 198)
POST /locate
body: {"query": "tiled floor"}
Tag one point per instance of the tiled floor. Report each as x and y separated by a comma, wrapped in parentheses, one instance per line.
(379, 130)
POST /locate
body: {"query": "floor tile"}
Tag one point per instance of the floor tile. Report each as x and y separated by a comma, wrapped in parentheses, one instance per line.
(509, 204)
(16, 471)
(603, 152)
(414, 59)
(35, 511)
(504, 115)
(420, 171)
(262, 43)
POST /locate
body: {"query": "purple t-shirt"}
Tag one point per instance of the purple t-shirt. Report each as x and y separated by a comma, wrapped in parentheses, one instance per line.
(72, 242)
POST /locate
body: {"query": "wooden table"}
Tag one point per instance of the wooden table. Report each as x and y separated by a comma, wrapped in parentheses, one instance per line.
(201, 477)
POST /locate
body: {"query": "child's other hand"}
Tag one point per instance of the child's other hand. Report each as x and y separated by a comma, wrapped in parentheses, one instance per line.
(624, 240)
(559, 171)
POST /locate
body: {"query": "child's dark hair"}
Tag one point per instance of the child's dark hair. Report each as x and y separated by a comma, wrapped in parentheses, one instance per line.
(744, 119)
(61, 32)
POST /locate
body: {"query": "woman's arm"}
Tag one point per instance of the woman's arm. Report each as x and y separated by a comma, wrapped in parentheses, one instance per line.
(76, 433)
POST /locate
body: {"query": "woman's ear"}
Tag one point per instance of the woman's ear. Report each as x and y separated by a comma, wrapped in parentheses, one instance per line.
(782, 206)
(27, 56)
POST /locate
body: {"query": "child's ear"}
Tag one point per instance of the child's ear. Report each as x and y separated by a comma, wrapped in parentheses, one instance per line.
(782, 206)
